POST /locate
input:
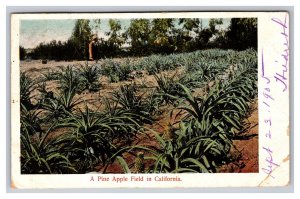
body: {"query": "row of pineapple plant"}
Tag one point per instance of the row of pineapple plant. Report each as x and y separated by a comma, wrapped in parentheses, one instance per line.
(203, 138)
(208, 62)
(94, 137)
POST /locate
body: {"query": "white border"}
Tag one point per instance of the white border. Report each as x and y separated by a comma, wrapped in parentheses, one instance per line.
(5, 86)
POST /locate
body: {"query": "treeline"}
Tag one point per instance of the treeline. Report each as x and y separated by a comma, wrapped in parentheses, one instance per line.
(145, 36)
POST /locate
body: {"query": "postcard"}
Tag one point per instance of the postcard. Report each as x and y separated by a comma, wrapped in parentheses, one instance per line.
(150, 100)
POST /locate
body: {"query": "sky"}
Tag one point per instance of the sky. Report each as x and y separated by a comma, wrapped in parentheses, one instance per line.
(33, 32)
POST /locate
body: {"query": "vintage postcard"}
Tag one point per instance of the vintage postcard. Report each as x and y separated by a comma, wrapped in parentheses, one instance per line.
(150, 100)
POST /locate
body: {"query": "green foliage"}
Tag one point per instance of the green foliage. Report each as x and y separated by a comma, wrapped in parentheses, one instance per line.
(139, 31)
(30, 120)
(82, 138)
(95, 25)
(202, 139)
(22, 53)
(204, 37)
(148, 36)
(126, 96)
(90, 140)
(242, 33)
(129, 100)
(81, 36)
(223, 109)
(183, 154)
(55, 50)
(204, 136)
(158, 63)
(213, 23)
(116, 38)
(60, 106)
(167, 88)
(160, 38)
(93, 136)
(41, 155)
(190, 24)
(27, 85)
(69, 79)
(90, 77)
(76, 47)
(116, 71)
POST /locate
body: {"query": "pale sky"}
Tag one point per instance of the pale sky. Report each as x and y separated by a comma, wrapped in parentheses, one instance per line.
(33, 32)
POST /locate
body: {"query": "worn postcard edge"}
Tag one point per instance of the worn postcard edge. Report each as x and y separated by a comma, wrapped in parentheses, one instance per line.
(271, 51)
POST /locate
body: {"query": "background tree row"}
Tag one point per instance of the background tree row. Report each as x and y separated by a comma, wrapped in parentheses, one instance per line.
(149, 36)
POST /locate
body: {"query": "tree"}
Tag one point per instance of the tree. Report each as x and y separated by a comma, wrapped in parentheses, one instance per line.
(186, 36)
(116, 39)
(22, 52)
(215, 36)
(138, 32)
(160, 33)
(204, 37)
(242, 33)
(95, 25)
(160, 36)
(80, 38)
(213, 23)
(190, 24)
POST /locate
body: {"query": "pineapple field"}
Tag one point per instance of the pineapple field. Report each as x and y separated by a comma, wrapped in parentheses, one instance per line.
(190, 112)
